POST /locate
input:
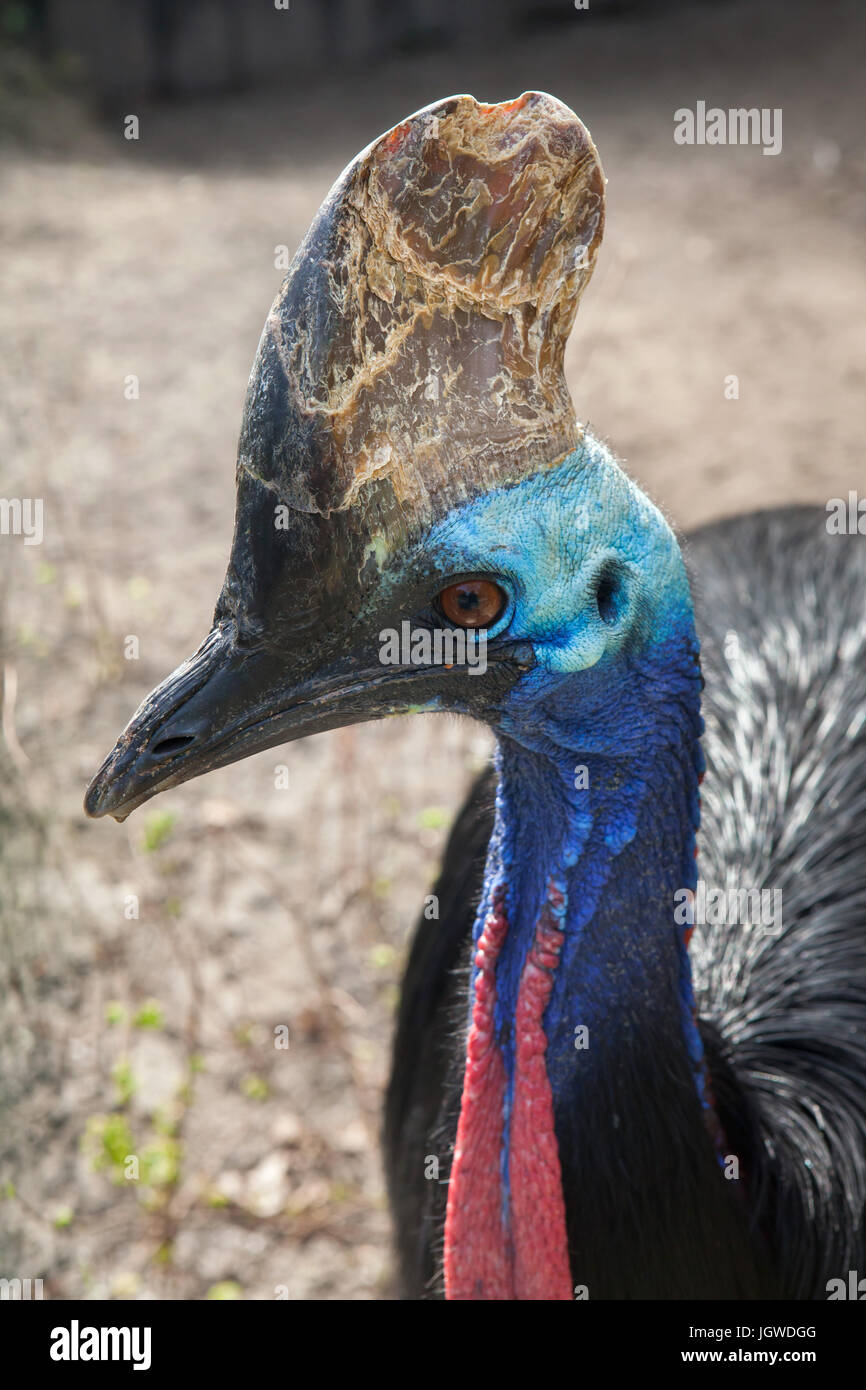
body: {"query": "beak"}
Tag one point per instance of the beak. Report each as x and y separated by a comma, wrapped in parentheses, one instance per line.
(221, 705)
(227, 702)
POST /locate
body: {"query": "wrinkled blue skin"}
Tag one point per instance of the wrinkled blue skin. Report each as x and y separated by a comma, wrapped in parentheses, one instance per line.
(620, 697)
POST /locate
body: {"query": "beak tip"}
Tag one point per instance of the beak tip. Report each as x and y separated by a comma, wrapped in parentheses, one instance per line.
(93, 800)
(98, 803)
(102, 798)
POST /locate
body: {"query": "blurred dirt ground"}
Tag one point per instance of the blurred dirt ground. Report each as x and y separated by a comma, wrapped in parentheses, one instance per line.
(262, 909)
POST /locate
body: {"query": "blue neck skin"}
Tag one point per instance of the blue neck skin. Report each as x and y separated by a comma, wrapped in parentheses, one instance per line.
(619, 848)
(621, 699)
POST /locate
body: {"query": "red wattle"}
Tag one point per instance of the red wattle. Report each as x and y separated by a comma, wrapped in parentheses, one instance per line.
(522, 1253)
(541, 1265)
(477, 1263)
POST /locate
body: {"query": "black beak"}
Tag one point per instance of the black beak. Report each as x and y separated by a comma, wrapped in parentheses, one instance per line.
(221, 705)
(208, 712)
(227, 702)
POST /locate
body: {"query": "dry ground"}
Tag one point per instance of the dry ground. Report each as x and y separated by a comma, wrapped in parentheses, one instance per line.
(259, 907)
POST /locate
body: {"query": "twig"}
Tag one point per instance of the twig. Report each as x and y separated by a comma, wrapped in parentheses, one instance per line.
(10, 736)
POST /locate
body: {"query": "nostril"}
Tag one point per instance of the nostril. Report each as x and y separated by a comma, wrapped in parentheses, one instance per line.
(166, 746)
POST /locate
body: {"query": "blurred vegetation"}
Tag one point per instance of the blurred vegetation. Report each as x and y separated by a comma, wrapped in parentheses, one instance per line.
(27, 957)
(41, 92)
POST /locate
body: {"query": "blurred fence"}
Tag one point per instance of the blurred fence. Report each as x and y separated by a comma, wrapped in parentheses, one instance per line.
(188, 47)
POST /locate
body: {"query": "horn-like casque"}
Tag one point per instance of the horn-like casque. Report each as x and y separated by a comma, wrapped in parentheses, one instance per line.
(414, 354)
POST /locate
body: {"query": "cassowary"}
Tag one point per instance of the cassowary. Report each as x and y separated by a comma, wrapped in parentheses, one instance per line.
(630, 1059)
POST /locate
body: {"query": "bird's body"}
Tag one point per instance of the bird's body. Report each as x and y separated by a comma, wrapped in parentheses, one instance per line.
(781, 1005)
(592, 1094)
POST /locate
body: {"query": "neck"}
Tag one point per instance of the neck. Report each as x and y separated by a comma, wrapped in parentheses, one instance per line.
(583, 1049)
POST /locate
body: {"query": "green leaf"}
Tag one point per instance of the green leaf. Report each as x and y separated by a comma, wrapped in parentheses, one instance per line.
(157, 828)
(382, 956)
(255, 1088)
(124, 1079)
(227, 1289)
(160, 1162)
(108, 1140)
(150, 1015)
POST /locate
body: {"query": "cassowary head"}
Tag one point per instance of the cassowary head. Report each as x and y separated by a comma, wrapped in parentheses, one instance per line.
(410, 468)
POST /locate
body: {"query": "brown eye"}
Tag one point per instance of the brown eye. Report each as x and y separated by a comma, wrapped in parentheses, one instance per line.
(472, 603)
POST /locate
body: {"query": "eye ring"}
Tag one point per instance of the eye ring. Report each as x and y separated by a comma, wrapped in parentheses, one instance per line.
(472, 603)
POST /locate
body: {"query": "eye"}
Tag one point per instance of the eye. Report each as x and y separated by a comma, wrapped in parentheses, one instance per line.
(472, 603)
